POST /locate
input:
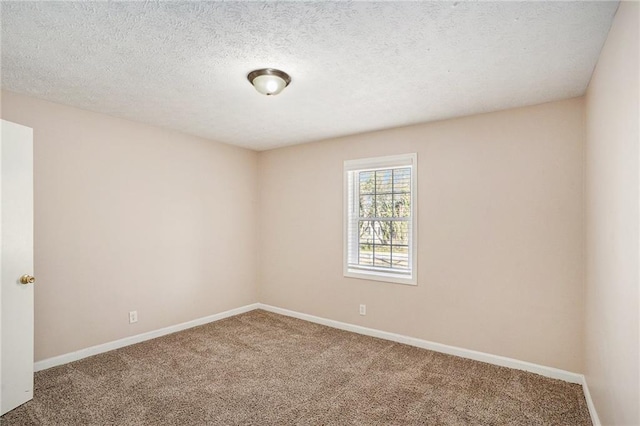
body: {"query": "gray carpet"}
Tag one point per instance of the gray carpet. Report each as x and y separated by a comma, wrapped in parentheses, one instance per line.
(261, 368)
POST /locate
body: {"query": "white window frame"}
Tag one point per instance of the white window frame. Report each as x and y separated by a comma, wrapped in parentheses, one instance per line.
(350, 230)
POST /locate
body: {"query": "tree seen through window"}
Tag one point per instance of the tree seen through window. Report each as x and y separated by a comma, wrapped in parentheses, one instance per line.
(384, 211)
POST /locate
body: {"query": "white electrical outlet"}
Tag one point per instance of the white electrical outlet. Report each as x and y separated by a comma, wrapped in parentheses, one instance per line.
(363, 309)
(133, 317)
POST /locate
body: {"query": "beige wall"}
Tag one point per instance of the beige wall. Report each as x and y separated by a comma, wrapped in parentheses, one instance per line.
(612, 356)
(500, 233)
(132, 217)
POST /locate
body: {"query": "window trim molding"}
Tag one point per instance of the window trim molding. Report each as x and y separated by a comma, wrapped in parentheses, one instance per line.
(374, 163)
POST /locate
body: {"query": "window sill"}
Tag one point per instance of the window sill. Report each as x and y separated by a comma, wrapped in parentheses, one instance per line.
(381, 276)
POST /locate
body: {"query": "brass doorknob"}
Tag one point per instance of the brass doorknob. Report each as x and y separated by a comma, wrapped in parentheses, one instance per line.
(27, 279)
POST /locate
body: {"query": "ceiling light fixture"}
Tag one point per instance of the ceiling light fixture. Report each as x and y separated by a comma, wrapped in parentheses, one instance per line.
(269, 81)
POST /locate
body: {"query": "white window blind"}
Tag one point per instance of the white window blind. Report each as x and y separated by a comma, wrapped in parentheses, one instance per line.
(380, 219)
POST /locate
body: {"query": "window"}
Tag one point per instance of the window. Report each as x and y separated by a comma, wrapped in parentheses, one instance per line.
(380, 219)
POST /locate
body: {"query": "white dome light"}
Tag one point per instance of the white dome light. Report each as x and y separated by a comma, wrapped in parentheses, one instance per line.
(269, 81)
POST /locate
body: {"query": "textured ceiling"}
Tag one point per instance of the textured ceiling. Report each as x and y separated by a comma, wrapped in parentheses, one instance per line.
(355, 66)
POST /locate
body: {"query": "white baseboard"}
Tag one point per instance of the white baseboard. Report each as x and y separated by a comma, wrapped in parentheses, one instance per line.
(116, 344)
(551, 372)
(502, 361)
(592, 408)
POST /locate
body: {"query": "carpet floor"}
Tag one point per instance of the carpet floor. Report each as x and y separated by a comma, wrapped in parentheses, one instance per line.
(261, 368)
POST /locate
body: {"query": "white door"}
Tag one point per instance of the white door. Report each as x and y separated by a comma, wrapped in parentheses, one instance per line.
(16, 261)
